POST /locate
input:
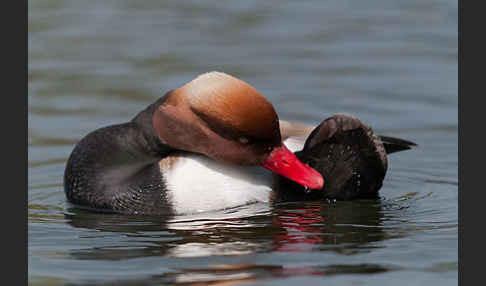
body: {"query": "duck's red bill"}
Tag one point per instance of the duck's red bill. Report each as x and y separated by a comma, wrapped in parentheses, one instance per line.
(283, 162)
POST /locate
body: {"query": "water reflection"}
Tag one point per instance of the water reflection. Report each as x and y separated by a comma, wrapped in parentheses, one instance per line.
(344, 228)
(234, 274)
(237, 231)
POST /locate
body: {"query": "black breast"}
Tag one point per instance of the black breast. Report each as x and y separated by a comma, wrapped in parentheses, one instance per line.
(116, 169)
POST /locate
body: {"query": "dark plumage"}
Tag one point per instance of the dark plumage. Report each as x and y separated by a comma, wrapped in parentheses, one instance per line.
(349, 155)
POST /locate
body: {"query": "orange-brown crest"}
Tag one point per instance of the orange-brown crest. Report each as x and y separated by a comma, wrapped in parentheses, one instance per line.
(219, 116)
(232, 104)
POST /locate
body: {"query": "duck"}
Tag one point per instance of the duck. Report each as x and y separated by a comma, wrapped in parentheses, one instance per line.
(217, 143)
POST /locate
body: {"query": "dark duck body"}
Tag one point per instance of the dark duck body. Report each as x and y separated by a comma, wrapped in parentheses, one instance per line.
(202, 147)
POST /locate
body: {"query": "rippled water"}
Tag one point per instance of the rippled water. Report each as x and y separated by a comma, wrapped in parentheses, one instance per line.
(391, 63)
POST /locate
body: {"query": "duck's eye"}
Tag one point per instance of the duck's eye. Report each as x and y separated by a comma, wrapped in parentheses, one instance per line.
(243, 140)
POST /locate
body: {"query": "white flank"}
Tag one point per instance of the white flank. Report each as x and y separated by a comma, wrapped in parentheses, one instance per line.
(199, 184)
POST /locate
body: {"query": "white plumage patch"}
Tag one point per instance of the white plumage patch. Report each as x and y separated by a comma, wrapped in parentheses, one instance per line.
(295, 144)
(198, 184)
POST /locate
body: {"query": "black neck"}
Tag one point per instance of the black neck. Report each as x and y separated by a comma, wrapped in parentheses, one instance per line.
(143, 121)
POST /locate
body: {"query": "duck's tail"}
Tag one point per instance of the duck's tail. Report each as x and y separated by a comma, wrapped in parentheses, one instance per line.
(393, 145)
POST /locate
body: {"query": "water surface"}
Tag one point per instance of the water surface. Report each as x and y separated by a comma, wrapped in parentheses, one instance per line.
(391, 63)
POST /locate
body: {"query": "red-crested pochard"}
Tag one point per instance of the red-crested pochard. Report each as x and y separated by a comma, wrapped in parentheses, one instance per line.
(213, 144)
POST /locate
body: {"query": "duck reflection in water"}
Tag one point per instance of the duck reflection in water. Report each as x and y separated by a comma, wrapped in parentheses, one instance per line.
(234, 238)
(343, 227)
